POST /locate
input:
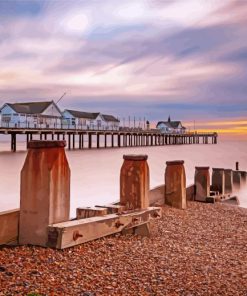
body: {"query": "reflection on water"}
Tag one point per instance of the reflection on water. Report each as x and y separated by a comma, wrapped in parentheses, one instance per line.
(95, 173)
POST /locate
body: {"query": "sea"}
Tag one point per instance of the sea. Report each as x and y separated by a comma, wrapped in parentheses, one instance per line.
(95, 173)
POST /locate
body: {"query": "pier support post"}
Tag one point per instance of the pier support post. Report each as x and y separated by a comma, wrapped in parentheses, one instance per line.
(69, 141)
(228, 181)
(134, 182)
(202, 183)
(98, 140)
(105, 140)
(13, 142)
(218, 180)
(89, 141)
(112, 140)
(45, 191)
(175, 184)
(73, 138)
(119, 140)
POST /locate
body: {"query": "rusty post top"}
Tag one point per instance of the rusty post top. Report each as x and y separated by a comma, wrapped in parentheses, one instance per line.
(218, 169)
(135, 157)
(36, 144)
(175, 162)
(202, 168)
(228, 170)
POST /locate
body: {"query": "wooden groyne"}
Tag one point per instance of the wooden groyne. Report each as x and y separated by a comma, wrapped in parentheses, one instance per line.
(86, 139)
(45, 198)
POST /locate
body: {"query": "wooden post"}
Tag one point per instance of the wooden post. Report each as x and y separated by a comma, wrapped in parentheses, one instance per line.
(218, 180)
(69, 142)
(228, 181)
(105, 140)
(175, 184)
(236, 180)
(45, 190)
(119, 140)
(134, 182)
(98, 140)
(13, 142)
(89, 140)
(73, 138)
(112, 140)
(202, 183)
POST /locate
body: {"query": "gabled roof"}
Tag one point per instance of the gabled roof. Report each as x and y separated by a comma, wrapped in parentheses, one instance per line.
(109, 118)
(172, 124)
(30, 107)
(80, 114)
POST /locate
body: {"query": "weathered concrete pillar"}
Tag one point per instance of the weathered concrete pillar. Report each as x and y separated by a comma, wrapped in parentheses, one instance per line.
(228, 181)
(236, 180)
(218, 180)
(202, 183)
(134, 182)
(45, 190)
(175, 184)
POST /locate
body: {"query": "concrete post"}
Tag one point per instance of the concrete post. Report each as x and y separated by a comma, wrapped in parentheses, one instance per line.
(175, 184)
(202, 183)
(228, 181)
(134, 182)
(218, 180)
(236, 180)
(45, 190)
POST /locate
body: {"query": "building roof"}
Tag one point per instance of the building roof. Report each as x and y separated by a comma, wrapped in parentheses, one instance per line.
(30, 107)
(172, 124)
(85, 115)
(109, 118)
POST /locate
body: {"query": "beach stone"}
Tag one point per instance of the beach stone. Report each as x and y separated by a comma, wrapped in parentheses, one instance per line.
(202, 183)
(45, 190)
(134, 182)
(228, 181)
(218, 180)
(175, 184)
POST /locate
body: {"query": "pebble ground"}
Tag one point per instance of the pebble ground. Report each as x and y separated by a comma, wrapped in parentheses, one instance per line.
(198, 251)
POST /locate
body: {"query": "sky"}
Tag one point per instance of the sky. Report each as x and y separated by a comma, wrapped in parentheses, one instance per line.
(132, 58)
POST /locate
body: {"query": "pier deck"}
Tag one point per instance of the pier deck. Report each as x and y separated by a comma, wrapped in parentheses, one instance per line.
(116, 138)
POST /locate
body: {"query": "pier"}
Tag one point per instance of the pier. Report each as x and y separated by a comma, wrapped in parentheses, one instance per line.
(84, 139)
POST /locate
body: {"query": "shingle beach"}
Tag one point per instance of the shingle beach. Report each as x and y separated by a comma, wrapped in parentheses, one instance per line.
(198, 251)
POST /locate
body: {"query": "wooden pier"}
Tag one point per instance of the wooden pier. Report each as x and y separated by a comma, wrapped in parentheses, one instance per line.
(108, 139)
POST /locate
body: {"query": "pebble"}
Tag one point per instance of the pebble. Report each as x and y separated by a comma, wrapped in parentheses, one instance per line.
(198, 251)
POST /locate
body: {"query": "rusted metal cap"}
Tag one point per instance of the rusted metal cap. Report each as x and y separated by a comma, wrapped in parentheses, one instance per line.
(228, 170)
(36, 144)
(175, 162)
(202, 168)
(218, 169)
(135, 157)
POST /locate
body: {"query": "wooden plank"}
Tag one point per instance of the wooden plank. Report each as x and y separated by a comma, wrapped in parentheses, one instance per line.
(9, 222)
(113, 208)
(82, 213)
(72, 233)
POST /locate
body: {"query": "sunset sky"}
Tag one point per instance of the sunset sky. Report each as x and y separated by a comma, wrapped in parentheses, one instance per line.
(152, 59)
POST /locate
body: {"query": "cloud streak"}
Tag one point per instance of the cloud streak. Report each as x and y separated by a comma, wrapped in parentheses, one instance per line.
(179, 55)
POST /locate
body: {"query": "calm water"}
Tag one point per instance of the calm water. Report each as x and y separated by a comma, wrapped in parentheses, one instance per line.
(95, 173)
